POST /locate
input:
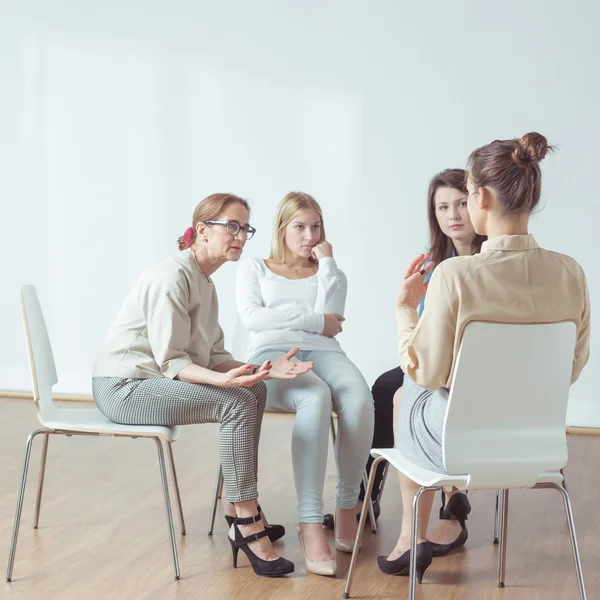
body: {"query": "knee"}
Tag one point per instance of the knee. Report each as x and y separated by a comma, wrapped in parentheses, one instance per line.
(354, 396)
(243, 403)
(260, 393)
(316, 400)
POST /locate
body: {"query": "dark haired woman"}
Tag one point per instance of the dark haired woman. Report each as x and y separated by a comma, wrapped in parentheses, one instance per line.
(450, 234)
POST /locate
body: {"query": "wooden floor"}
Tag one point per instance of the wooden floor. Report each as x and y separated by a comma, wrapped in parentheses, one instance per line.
(103, 532)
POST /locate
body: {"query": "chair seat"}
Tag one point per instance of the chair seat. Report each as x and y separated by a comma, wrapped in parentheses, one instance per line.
(91, 420)
(428, 478)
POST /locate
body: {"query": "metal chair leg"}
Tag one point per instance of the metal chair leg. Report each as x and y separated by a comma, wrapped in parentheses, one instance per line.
(412, 576)
(576, 556)
(333, 432)
(165, 484)
(361, 527)
(386, 469)
(562, 472)
(571, 522)
(497, 518)
(15, 535)
(218, 487)
(503, 538)
(176, 486)
(38, 498)
(221, 488)
(365, 478)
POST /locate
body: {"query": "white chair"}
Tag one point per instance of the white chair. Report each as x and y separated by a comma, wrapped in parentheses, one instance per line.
(69, 421)
(505, 425)
(239, 347)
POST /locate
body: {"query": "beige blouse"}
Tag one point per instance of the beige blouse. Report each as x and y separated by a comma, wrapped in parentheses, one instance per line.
(512, 280)
(169, 320)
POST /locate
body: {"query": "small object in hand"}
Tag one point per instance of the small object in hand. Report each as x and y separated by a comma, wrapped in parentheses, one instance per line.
(422, 272)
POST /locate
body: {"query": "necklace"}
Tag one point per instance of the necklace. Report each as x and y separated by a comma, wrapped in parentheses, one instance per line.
(207, 279)
(297, 269)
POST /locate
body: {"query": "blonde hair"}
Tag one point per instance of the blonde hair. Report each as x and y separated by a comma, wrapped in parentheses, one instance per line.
(286, 210)
(208, 209)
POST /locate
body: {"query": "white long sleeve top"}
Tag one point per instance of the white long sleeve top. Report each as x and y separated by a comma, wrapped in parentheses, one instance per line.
(282, 313)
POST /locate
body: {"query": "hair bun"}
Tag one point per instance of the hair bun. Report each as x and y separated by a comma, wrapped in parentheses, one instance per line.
(532, 147)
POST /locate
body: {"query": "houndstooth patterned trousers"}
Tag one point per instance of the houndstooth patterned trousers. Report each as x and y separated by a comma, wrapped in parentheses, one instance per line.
(164, 401)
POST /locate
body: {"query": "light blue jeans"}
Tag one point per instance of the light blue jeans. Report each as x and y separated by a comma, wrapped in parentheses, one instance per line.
(335, 384)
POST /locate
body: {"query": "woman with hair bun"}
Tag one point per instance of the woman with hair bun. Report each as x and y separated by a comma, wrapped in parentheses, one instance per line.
(521, 283)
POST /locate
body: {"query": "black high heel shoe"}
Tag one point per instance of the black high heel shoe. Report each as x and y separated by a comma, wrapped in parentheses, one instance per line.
(275, 532)
(401, 566)
(266, 568)
(456, 509)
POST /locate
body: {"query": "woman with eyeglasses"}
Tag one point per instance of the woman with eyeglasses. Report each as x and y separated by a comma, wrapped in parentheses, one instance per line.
(297, 296)
(164, 363)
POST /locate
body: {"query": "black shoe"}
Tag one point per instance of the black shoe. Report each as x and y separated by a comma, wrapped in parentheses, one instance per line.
(329, 521)
(457, 509)
(266, 568)
(443, 549)
(443, 507)
(401, 566)
(275, 532)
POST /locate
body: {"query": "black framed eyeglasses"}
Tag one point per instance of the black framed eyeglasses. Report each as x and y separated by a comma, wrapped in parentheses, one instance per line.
(233, 228)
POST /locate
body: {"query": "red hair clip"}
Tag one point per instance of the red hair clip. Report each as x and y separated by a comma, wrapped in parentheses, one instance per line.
(188, 236)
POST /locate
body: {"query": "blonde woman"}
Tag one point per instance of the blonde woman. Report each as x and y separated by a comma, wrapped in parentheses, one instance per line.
(297, 297)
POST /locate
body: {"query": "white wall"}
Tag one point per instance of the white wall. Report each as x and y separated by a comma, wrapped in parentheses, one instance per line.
(117, 117)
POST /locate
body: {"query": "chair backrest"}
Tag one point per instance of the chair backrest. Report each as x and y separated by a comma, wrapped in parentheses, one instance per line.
(39, 349)
(506, 418)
